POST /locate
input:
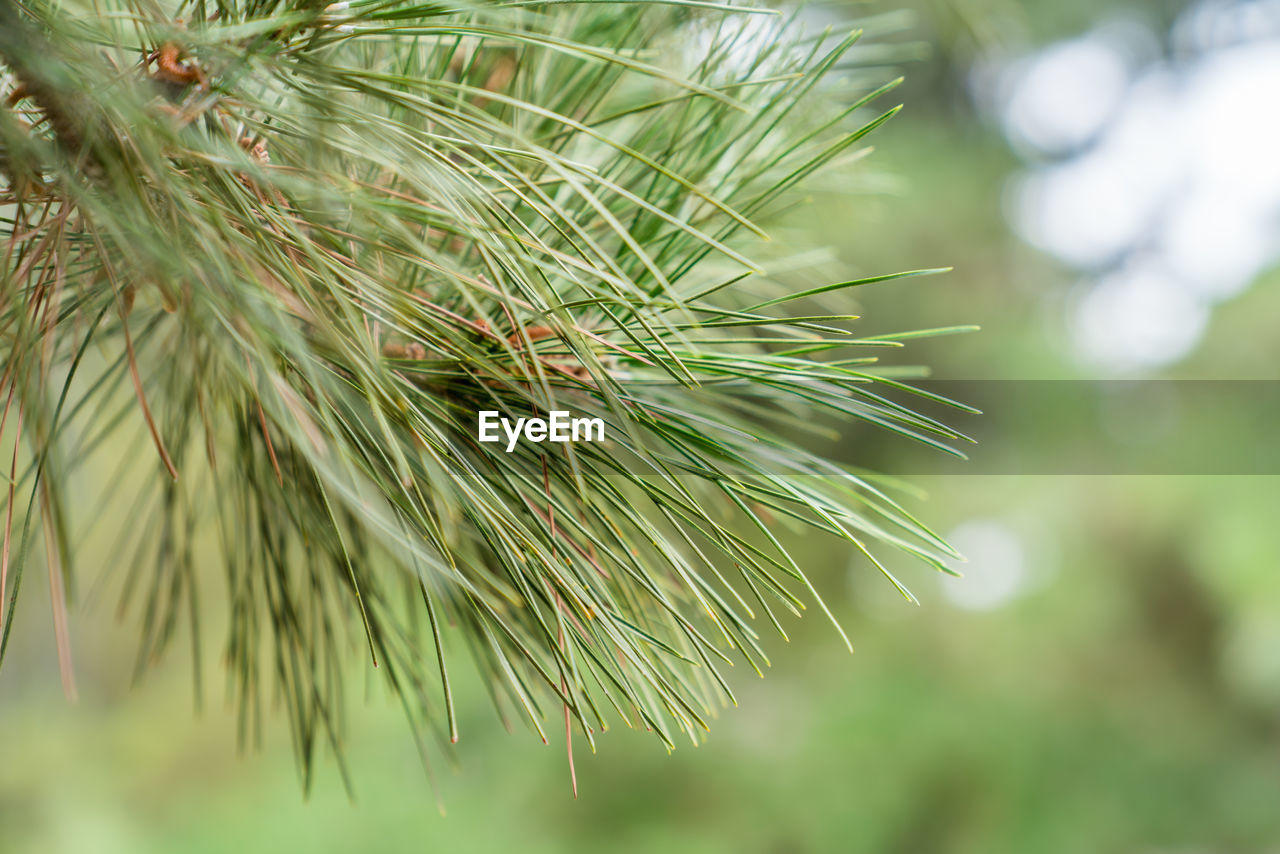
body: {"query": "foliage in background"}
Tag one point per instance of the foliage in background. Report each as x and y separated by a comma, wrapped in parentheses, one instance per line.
(304, 245)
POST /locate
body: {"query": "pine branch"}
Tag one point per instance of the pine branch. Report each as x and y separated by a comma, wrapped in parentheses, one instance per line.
(323, 239)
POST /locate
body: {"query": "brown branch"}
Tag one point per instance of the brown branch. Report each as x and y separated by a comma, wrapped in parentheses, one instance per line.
(173, 68)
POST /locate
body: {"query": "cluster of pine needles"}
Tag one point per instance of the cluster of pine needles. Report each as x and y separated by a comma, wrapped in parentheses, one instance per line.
(269, 258)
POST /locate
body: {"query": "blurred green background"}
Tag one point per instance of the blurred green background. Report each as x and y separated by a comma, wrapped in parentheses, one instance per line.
(1105, 679)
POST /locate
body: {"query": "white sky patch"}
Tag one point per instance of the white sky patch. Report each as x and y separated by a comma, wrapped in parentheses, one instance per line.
(1065, 94)
(996, 571)
(1214, 24)
(1138, 317)
(1161, 182)
(1088, 212)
